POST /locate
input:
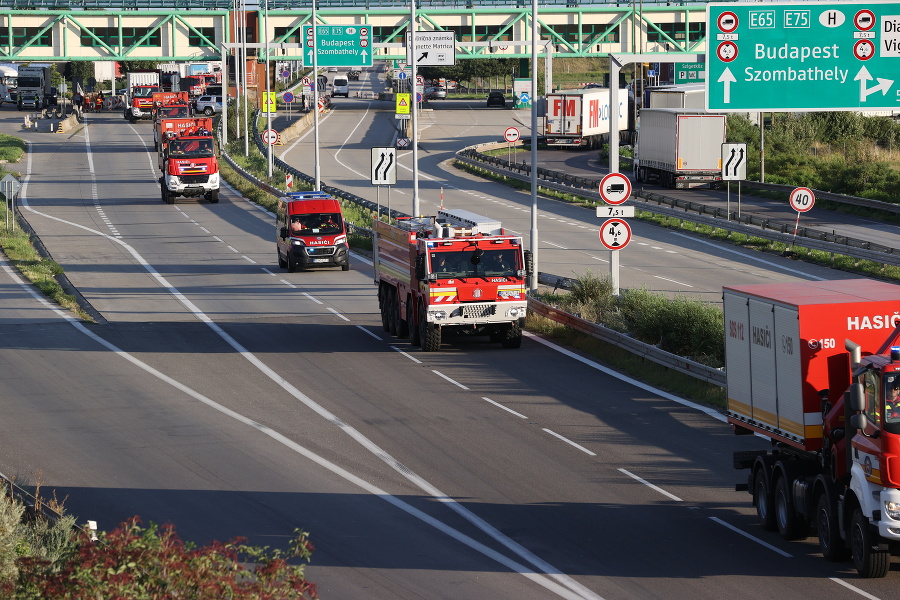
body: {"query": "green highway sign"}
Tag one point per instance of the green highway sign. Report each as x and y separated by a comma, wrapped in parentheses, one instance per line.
(803, 56)
(339, 46)
(690, 72)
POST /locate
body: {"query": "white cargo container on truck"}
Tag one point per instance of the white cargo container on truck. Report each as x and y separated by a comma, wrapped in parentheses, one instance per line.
(580, 118)
(680, 148)
(812, 367)
(688, 95)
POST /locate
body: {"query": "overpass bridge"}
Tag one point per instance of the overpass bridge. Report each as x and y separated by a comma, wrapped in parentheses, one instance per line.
(195, 30)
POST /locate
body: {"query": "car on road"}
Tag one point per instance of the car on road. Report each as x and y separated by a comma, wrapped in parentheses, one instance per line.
(496, 99)
(353, 75)
(435, 93)
(332, 69)
(29, 100)
(209, 105)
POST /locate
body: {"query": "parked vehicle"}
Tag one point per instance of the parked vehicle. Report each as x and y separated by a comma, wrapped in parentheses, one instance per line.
(581, 118)
(435, 93)
(681, 148)
(813, 367)
(496, 99)
(209, 105)
(455, 271)
(340, 86)
(311, 232)
(34, 84)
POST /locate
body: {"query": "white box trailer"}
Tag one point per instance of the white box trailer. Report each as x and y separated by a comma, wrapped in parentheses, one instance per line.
(679, 147)
(581, 118)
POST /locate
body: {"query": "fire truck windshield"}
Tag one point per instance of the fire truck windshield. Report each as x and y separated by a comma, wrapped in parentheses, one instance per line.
(191, 148)
(146, 92)
(316, 224)
(174, 112)
(500, 262)
(892, 402)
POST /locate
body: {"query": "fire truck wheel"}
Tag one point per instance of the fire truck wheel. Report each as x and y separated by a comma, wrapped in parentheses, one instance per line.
(414, 334)
(402, 324)
(213, 196)
(790, 525)
(762, 497)
(429, 336)
(382, 303)
(281, 262)
(393, 311)
(869, 562)
(830, 542)
(512, 336)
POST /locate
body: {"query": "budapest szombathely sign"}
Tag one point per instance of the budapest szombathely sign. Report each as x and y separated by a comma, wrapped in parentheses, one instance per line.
(803, 56)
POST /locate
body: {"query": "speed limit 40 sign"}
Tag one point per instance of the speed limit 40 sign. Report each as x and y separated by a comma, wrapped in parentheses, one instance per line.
(802, 199)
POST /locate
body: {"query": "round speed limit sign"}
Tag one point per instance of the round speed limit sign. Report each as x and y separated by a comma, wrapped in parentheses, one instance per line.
(802, 199)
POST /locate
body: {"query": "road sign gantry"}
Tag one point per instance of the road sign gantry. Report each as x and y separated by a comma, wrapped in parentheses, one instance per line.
(803, 56)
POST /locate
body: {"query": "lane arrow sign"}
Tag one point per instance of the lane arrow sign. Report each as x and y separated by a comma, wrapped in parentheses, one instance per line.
(863, 76)
(727, 78)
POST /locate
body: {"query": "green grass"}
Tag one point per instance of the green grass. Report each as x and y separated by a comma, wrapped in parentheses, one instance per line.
(12, 149)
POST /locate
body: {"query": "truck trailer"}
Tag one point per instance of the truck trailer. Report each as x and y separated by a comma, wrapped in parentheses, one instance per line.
(456, 271)
(680, 148)
(814, 367)
(35, 90)
(581, 118)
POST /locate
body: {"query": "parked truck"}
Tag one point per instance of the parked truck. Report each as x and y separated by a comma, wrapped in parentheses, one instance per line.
(814, 367)
(140, 87)
(581, 118)
(680, 148)
(35, 88)
(454, 271)
(311, 232)
(187, 160)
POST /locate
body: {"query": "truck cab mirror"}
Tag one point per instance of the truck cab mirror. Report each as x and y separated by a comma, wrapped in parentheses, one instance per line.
(859, 421)
(284, 232)
(856, 397)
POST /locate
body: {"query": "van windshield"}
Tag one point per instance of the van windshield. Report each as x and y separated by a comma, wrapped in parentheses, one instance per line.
(340, 81)
(316, 224)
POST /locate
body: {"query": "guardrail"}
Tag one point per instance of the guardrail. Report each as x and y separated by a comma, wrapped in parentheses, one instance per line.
(753, 225)
(648, 351)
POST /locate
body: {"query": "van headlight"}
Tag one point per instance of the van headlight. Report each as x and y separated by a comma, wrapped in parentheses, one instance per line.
(298, 242)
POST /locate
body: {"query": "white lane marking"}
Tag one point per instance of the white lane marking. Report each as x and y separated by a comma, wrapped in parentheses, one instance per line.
(750, 537)
(316, 300)
(376, 336)
(344, 143)
(204, 228)
(270, 272)
(233, 249)
(218, 239)
(650, 485)
(673, 281)
(853, 588)
(328, 308)
(303, 137)
(749, 256)
(406, 354)
(554, 245)
(248, 259)
(570, 442)
(288, 283)
(567, 587)
(439, 374)
(497, 404)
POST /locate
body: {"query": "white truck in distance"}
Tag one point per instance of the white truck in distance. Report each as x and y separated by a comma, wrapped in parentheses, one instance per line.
(35, 89)
(580, 118)
(679, 147)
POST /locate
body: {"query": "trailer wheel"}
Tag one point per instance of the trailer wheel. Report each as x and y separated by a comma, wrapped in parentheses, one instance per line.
(429, 336)
(415, 332)
(382, 304)
(512, 336)
(762, 497)
(830, 542)
(790, 525)
(281, 262)
(870, 561)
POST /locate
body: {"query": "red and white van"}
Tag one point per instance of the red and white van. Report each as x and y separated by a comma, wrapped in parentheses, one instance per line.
(310, 232)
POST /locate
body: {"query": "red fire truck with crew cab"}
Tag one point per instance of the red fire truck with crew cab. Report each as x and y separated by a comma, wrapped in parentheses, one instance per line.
(187, 160)
(457, 271)
(814, 366)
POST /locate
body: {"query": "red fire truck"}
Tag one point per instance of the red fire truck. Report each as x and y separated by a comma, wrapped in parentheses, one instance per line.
(458, 271)
(187, 160)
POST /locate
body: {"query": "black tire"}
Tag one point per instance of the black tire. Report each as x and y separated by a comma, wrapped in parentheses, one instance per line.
(790, 525)
(512, 337)
(415, 334)
(430, 337)
(213, 196)
(208, 111)
(392, 310)
(291, 264)
(765, 505)
(402, 324)
(281, 262)
(831, 545)
(383, 304)
(345, 266)
(870, 562)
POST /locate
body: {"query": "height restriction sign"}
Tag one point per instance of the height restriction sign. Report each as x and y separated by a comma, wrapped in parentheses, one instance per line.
(615, 234)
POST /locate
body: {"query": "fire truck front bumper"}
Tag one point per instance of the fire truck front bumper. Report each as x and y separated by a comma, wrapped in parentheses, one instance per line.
(192, 185)
(477, 313)
(889, 525)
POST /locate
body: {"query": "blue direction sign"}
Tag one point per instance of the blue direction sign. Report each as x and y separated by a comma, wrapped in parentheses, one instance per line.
(803, 56)
(339, 46)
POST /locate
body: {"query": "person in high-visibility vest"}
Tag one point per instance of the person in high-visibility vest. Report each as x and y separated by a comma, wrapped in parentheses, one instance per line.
(99, 101)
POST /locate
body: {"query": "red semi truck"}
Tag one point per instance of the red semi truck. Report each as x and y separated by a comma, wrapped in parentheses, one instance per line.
(813, 366)
(456, 271)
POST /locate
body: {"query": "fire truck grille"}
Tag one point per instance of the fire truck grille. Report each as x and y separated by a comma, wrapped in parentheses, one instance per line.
(475, 311)
(320, 250)
(194, 178)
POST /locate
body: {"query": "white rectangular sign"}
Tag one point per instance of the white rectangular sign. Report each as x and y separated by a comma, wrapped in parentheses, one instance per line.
(384, 166)
(734, 162)
(609, 211)
(434, 48)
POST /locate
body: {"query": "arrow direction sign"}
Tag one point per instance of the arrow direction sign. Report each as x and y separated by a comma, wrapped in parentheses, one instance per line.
(434, 48)
(384, 166)
(803, 56)
(734, 162)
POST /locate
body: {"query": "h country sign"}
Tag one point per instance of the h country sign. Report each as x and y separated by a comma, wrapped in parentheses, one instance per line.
(803, 56)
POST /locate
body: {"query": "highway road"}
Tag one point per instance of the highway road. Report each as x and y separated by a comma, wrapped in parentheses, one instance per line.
(231, 398)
